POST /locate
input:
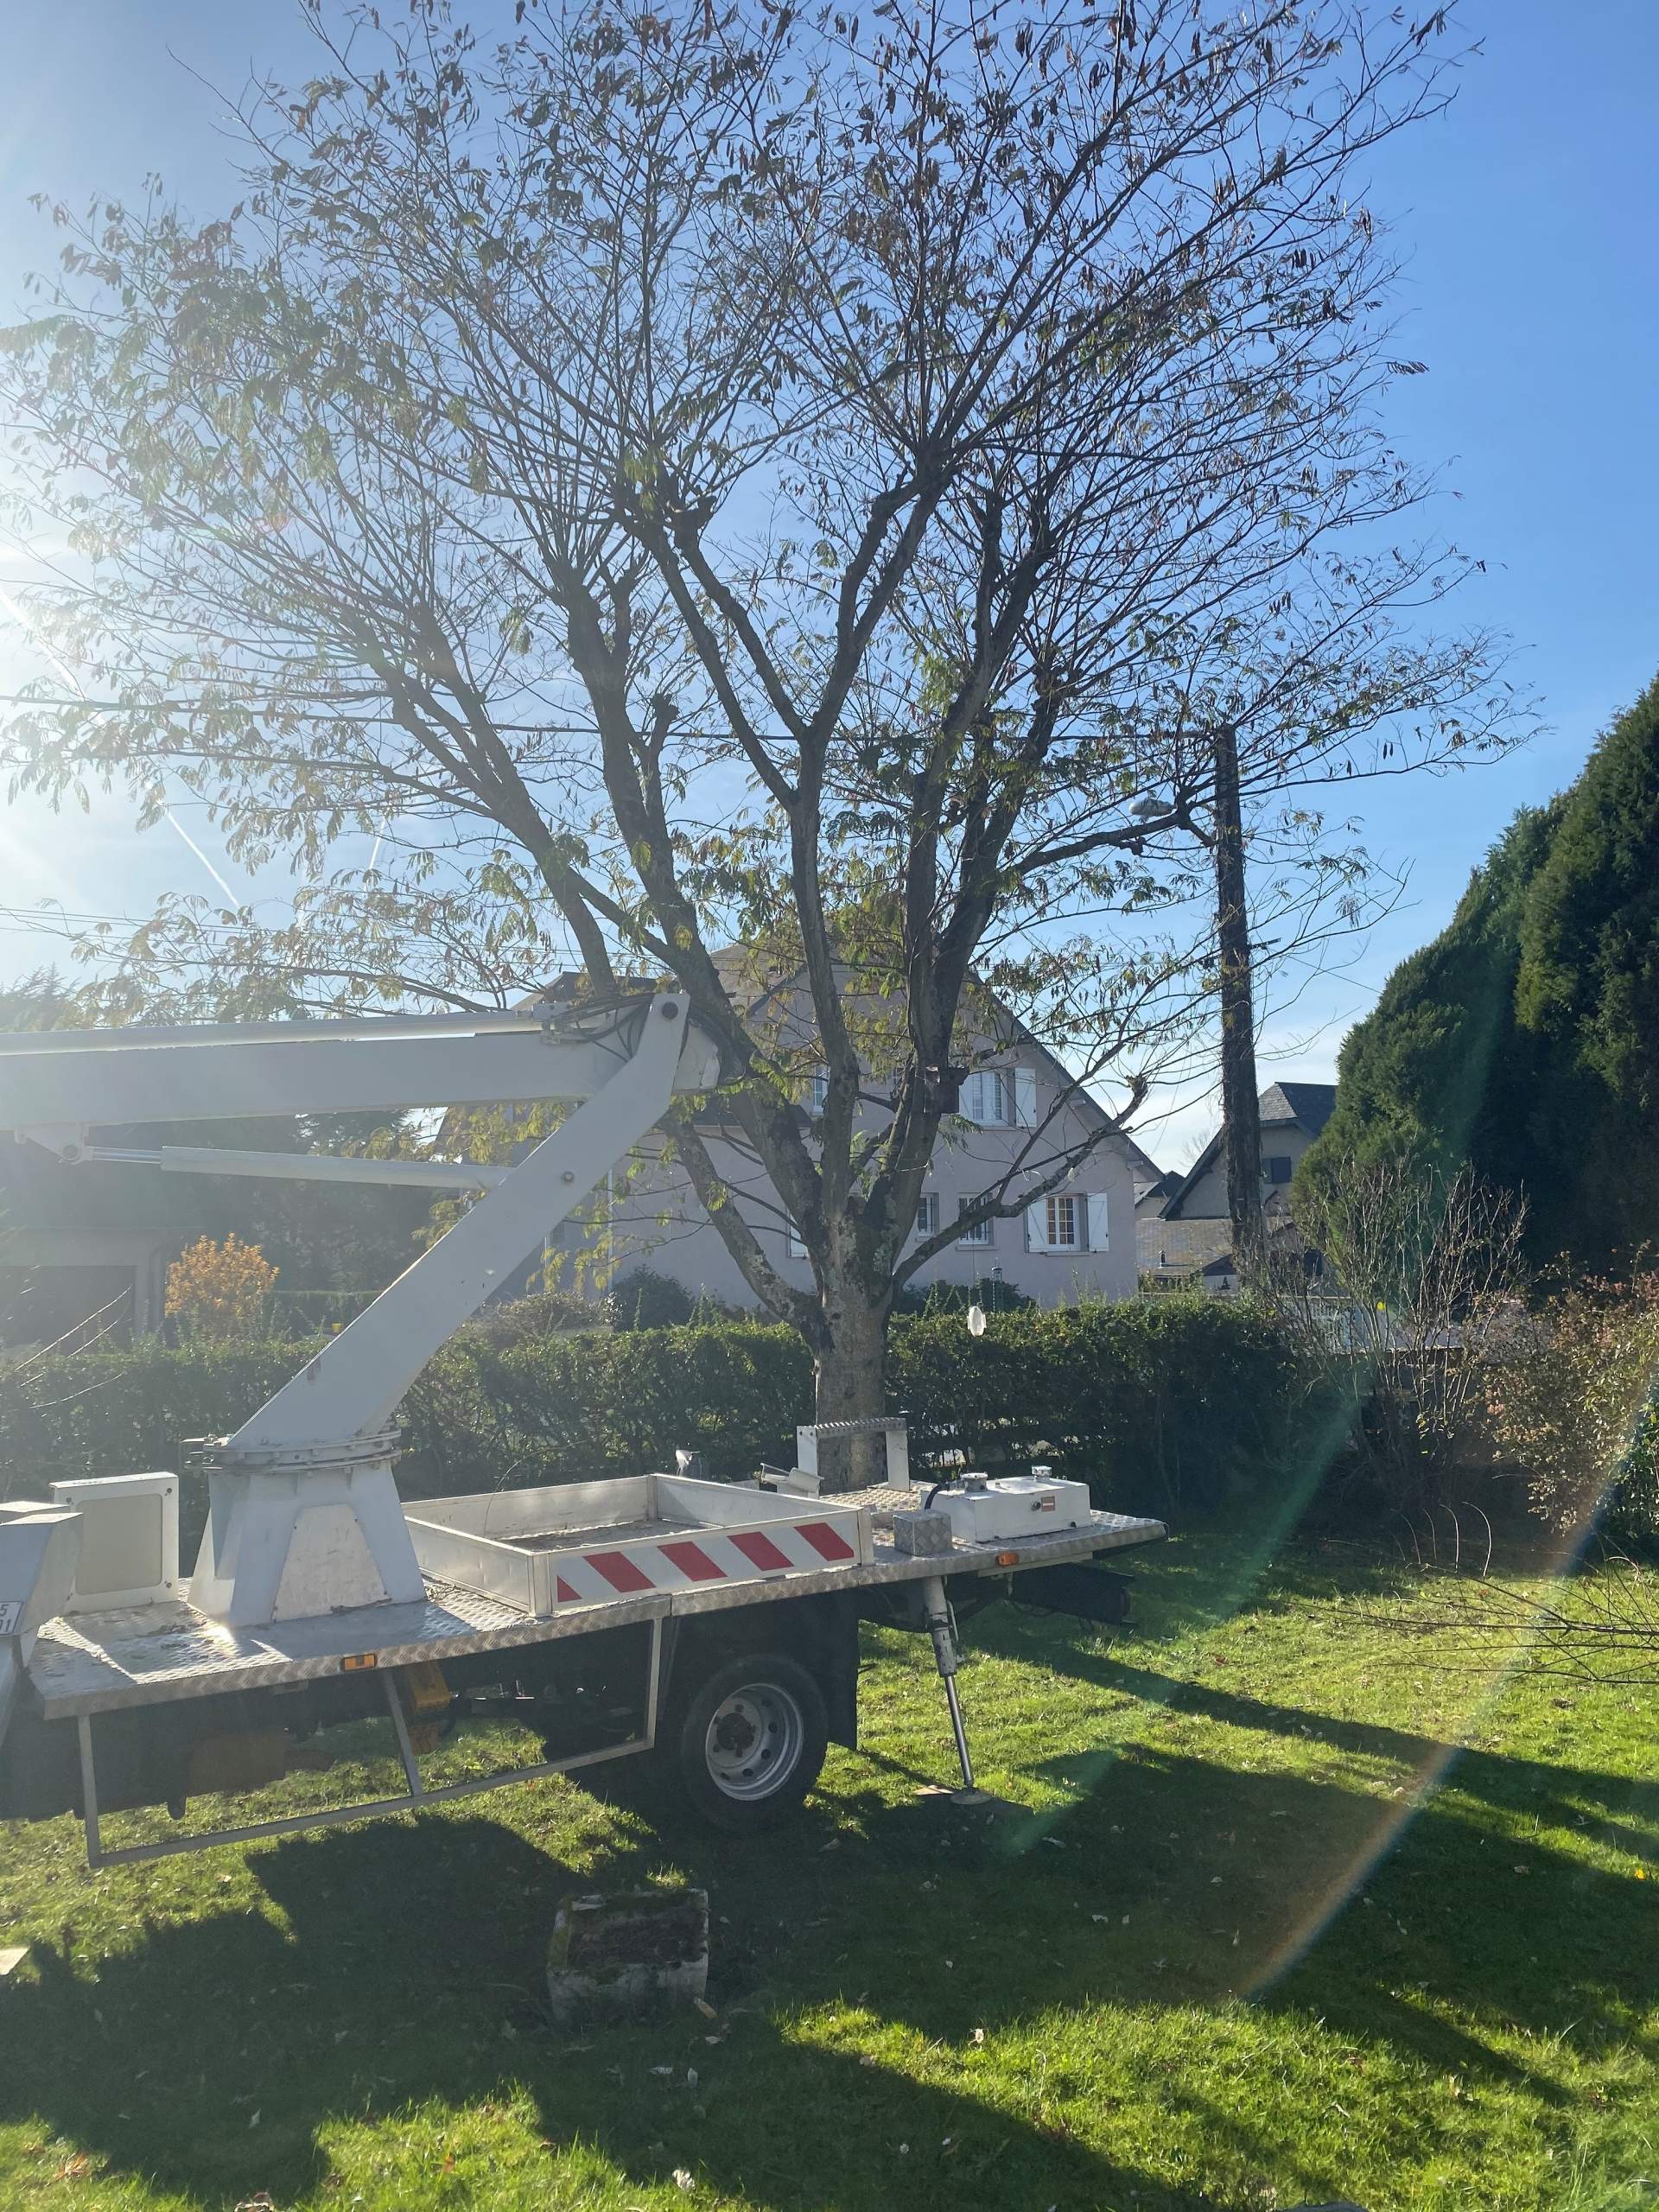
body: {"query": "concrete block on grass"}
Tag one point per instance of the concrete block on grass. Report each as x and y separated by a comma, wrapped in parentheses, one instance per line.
(628, 1953)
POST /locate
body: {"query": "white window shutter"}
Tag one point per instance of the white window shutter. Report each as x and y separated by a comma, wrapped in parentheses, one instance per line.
(1099, 1226)
(797, 1243)
(1025, 1098)
(1036, 1227)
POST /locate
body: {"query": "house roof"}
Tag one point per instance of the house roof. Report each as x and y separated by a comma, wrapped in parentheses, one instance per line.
(1203, 1246)
(1307, 1105)
(1179, 1247)
(1161, 1187)
(1143, 1169)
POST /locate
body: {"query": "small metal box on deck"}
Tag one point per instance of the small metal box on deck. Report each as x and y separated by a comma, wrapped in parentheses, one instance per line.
(922, 1536)
(128, 1539)
(1013, 1506)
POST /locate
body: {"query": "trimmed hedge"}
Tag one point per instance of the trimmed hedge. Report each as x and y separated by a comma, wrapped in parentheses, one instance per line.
(1159, 1405)
(126, 1412)
(568, 1409)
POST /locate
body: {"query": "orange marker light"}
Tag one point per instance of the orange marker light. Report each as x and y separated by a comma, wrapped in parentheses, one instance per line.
(356, 1661)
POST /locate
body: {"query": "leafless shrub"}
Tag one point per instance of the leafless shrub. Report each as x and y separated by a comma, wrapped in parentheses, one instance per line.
(1412, 1285)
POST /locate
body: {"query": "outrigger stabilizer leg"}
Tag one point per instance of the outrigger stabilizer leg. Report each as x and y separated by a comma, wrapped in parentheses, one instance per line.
(935, 1608)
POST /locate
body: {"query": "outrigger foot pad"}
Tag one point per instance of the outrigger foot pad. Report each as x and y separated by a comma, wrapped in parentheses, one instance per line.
(973, 1800)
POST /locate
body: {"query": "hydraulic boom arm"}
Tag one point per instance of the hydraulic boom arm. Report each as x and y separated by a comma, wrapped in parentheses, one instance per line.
(321, 1449)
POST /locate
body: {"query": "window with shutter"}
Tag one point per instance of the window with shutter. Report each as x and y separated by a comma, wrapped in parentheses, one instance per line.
(1064, 1223)
(1000, 1098)
(927, 1213)
(797, 1243)
(978, 1232)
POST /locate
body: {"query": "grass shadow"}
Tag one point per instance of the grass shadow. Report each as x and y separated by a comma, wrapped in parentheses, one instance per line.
(401, 1968)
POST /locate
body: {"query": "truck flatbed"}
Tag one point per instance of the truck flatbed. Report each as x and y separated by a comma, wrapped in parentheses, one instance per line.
(600, 1615)
(143, 1656)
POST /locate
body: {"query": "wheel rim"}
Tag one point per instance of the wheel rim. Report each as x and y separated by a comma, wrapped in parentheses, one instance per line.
(753, 1743)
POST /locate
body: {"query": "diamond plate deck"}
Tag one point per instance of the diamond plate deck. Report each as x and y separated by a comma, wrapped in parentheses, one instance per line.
(152, 1655)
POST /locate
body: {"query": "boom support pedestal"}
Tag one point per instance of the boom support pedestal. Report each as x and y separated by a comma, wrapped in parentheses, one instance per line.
(305, 1518)
(308, 1535)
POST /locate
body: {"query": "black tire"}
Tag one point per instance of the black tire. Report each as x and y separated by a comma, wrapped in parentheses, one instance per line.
(749, 1741)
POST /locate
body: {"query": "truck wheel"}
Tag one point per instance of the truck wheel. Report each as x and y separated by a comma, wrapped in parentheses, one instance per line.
(751, 1741)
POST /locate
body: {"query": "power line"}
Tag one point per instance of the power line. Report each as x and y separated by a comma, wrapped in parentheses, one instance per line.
(322, 712)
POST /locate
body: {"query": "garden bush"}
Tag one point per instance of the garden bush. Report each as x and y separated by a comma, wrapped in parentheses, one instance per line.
(527, 1321)
(1577, 1407)
(1168, 1404)
(126, 1412)
(220, 1293)
(572, 1408)
(642, 1299)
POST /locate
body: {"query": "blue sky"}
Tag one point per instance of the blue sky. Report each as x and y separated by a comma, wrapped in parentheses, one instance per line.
(1529, 220)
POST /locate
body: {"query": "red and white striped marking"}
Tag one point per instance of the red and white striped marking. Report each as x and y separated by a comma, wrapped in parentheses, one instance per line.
(702, 1556)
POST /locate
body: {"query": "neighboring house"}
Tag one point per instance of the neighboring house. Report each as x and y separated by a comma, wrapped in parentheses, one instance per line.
(1018, 1100)
(1150, 1194)
(1192, 1231)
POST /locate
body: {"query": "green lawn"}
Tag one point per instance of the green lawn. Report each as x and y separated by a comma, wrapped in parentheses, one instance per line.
(1258, 1943)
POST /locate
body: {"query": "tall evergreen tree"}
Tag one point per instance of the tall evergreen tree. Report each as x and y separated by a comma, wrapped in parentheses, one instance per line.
(1525, 1038)
(1589, 973)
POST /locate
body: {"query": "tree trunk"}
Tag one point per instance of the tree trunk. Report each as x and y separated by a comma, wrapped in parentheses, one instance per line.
(1240, 1110)
(851, 1376)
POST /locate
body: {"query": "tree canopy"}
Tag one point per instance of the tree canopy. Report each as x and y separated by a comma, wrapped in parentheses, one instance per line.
(742, 477)
(1525, 1038)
